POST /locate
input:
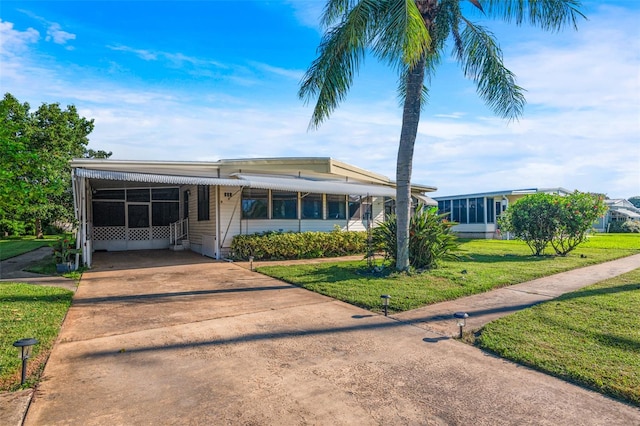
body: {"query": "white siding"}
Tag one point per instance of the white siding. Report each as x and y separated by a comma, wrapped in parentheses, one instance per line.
(200, 229)
(230, 214)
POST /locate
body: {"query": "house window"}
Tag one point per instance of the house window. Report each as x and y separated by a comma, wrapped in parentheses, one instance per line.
(284, 205)
(255, 203)
(108, 194)
(459, 211)
(444, 207)
(491, 217)
(203, 202)
(389, 207)
(355, 207)
(476, 210)
(164, 213)
(165, 194)
(138, 215)
(108, 213)
(312, 206)
(185, 204)
(336, 207)
(140, 195)
(367, 208)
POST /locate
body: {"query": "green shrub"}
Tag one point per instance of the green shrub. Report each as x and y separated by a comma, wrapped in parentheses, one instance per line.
(626, 227)
(562, 221)
(430, 239)
(298, 245)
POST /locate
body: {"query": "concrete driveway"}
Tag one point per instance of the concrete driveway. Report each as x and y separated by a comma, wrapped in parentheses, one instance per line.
(175, 338)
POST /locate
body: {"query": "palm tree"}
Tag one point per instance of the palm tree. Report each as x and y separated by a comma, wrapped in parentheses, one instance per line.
(411, 35)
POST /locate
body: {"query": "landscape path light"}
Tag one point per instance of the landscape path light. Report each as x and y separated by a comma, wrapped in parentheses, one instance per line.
(385, 303)
(461, 317)
(251, 263)
(25, 346)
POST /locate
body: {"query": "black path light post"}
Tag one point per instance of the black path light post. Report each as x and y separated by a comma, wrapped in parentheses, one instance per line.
(462, 320)
(25, 346)
(385, 303)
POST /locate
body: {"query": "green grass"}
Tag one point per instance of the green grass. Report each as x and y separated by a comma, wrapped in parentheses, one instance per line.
(590, 337)
(12, 247)
(488, 264)
(28, 311)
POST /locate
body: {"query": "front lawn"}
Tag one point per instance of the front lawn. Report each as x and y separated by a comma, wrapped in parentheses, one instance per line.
(11, 247)
(28, 311)
(488, 264)
(590, 337)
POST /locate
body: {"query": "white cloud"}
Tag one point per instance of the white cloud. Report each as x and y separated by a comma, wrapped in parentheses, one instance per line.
(308, 12)
(13, 41)
(143, 54)
(55, 33)
(580, 129)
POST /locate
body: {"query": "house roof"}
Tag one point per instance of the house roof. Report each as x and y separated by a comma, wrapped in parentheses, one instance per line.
(505, 193)
(628, 213)
(320, 175)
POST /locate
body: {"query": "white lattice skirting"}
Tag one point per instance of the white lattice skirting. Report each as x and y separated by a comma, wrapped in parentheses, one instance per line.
(110, 233)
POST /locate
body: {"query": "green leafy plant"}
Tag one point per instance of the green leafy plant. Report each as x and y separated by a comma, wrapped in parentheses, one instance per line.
(575, 217)
(298, 245)
(63, 250)
(561, 221)
(626, 227)
(430, 239)
(532, 219)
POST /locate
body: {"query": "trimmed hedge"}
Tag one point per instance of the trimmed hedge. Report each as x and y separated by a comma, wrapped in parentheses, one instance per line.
(298, 245)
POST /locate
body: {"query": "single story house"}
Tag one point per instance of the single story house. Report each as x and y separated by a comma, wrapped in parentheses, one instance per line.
(477, 214)
(135, 205)
(618, 210)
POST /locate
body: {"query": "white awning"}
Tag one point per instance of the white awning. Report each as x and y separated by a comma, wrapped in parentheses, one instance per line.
(316, 186)
(156, 178)
(627, 213)
(427, 201)
(248, 181)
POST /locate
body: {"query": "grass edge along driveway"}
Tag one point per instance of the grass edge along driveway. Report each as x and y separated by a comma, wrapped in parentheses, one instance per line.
(487, 265)
(590, 337)
(29, 311)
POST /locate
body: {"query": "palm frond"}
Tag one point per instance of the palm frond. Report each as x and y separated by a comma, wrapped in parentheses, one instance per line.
(481, 60)
(341, 51)
(551, 15)
(401, 38)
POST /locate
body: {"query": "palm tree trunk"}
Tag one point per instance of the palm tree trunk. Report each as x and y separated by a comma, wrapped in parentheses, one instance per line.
(410, 120)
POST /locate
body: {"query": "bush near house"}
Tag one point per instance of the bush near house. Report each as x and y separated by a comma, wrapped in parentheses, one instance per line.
(626, 227)
(298, 245)
(430, 239)
(546, 219)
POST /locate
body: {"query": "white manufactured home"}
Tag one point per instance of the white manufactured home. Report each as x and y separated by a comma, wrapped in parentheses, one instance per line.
(201, 206)
(477, 214)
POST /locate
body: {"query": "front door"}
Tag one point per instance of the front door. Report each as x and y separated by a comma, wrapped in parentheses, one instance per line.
(138, 226)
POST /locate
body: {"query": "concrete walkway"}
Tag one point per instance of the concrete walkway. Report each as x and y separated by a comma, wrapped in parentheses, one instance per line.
(175, 338)
(486, 307)
(12, 270)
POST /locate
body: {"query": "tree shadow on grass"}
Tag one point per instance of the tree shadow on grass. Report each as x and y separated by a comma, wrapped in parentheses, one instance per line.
(598, 291)
(504, 258)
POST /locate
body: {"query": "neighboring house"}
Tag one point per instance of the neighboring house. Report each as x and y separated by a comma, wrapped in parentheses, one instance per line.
(618, 210)
(476, 214)
(134, 205)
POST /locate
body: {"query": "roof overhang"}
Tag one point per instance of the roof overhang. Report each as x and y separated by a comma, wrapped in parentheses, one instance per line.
(250, 181)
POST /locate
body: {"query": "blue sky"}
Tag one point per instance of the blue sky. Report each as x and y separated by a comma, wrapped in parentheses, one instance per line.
(204, 80)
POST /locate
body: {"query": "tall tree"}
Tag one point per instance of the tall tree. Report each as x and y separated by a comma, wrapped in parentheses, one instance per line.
(36, 149)
(411, 36)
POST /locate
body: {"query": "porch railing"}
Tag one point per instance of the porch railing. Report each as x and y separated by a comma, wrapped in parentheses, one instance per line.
(178, 231)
